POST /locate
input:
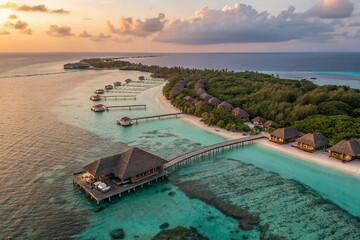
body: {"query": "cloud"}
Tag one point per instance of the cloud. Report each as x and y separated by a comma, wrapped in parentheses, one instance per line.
(13, 16)
(332, 9)
(122, 40)
(85, 34)
(56, 31)
(101, 37)
(36, 8)
(354, 24)
(19, 25)
(244, 24)
(138, 27)
(4, 33)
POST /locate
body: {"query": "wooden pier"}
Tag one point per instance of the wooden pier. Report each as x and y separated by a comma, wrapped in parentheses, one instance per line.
(124, 97)
(211, 150)
(126, 106)
(154, 116)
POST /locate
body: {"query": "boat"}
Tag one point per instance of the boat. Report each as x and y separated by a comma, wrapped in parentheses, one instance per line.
(109, 87)
(95, 98)
(99, 91)
(98, 108)
(313, 78)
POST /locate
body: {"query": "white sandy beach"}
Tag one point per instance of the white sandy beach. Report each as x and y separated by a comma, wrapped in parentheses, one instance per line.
(319, 157)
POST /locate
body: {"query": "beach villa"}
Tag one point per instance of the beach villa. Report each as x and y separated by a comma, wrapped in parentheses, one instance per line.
(312, 141)
(206, 96)
(284, 135)
(268, 124)
(226, 105)
(214, 101)
(241, 114)
(346, 150)
(258, 121)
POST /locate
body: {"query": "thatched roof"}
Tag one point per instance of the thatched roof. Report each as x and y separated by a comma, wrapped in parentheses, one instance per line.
(351, 148)
(126, 164)
(259, 119)
(188, 99)
(269, 123)
(206, 96)
(214, 101)
(286, 133)
(226, 105)
(200, 91)
(314, 139)
(126, 119)
(240, 113)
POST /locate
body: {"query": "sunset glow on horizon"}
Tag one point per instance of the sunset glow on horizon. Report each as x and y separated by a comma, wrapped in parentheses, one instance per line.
(171, 26)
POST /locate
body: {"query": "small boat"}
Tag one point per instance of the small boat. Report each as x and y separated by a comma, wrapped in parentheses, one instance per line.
(95, 98)
(313, 78)
(98, 108)
(117, 84)
(109, 87)
(99, 91)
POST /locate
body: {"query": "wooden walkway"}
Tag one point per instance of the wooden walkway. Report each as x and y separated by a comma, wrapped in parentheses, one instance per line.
(155, 116)
(211, 149)
(120, 97)
(126, 106)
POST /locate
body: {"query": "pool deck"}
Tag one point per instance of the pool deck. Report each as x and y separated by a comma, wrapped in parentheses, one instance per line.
(115, 190)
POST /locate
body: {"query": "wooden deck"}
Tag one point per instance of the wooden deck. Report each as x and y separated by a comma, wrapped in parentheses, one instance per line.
(211, 148)
(127, 106)
(120, 97)
(115, 190)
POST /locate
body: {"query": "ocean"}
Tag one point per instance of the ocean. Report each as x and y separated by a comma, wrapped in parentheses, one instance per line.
(47, 132)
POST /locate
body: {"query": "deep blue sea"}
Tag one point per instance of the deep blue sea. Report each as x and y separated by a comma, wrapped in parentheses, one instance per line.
(47, 132)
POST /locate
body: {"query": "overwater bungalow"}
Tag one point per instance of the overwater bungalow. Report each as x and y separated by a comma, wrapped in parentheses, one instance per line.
(99, 91)
(95, 98)
(346, 150)
(109, 87)
(259, 121)
(269, 124)
(284, 135)
(99, 108)
(226, 105)
(241, 114)
(141, 78)
(312, 142)
(125, 121)
(206, 96)
(214, 101)
(117, 84)
(128, 80)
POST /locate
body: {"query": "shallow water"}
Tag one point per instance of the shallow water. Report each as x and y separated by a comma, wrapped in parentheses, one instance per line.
(48, 132)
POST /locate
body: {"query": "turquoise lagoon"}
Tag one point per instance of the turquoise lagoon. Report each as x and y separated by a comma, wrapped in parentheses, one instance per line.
(297, 200)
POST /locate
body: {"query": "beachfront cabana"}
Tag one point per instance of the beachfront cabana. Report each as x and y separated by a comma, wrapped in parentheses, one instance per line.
(128, 167)
(312, 142)
(214, 101)
(206, 96)
(284, 135)
(98, 108)
(99, 91)
(258, 121)
(241, 114)
(125, 121)
(226, 105)
(269, 124)
(95, 98)
(345, 150)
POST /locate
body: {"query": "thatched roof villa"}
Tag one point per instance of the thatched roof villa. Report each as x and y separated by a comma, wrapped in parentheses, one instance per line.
(345, 150)
(214, 101)
(226, 105)
(206, 96)
(269, 124)
(312, 141)
(95, 98)
(178, 87)
(241, 114)
(98, 108)
(258, 121)
(125, 121)
(132, 165)
(200, 91)
(284, 135)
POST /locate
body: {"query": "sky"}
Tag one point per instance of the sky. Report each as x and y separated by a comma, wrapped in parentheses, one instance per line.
(179, 26)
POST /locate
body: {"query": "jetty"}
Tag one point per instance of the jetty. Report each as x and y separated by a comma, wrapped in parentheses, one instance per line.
(124, 97)
(102, 108)
(151, 117)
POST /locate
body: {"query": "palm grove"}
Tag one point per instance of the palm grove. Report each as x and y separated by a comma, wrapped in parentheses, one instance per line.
(332, 110)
